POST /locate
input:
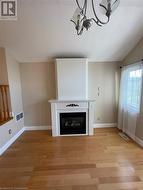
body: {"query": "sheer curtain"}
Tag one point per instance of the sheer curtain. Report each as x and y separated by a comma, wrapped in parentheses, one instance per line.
(130, 98)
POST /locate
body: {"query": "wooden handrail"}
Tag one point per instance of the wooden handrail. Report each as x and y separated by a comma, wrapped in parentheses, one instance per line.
(5, 109)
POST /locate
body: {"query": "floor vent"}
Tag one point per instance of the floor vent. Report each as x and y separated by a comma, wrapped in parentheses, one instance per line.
(124, 136)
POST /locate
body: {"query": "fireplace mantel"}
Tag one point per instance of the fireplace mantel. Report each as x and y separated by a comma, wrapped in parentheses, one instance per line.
(64, 101)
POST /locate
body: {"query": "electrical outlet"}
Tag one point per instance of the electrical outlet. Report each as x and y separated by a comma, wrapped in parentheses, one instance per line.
(10, 131)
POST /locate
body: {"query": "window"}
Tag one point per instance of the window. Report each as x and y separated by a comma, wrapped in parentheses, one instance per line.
(130, 98)
(134, 82)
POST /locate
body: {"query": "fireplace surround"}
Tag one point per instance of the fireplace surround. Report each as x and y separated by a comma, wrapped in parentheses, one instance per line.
(72, 118)
(72, 112)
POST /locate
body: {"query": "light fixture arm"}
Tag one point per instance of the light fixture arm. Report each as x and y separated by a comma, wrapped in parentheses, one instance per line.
(80, 18)
(97, 19)
(84, 6)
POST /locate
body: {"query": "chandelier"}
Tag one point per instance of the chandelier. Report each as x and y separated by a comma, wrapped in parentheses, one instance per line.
(80, 19)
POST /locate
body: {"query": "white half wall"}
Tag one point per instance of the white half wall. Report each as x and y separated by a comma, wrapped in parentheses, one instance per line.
(16, 100)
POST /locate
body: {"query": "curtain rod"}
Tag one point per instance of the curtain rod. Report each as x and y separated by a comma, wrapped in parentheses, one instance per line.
(130, 64)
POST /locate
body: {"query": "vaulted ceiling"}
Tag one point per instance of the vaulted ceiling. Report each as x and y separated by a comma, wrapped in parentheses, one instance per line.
(43, 30)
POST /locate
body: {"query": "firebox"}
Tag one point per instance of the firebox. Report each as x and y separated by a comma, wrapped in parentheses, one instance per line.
(72, 123)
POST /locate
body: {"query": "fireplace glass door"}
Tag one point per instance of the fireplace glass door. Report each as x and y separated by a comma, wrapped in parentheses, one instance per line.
(73, 123)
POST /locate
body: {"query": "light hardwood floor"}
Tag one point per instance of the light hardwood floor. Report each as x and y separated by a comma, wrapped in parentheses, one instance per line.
(102, 162)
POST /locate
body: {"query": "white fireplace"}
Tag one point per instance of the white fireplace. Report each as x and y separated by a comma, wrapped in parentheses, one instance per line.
(59, 107)
(72, 112)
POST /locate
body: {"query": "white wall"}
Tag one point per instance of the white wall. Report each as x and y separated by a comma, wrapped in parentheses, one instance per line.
(3, 68)
(38, 86)
(72, 79)
(16, 100)
(136, 54)
(104, 79)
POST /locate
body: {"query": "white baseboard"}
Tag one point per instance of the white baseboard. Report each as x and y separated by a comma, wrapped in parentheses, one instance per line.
(132, 136)
(36, 128)
(11, 141)
(104, 125)
(139, 141)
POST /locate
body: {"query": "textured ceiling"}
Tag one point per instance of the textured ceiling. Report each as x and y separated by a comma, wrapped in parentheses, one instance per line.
(43, 30)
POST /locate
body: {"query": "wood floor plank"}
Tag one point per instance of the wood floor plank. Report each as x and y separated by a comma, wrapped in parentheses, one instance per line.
(37, 161)
(123, 186)
(106, 180)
